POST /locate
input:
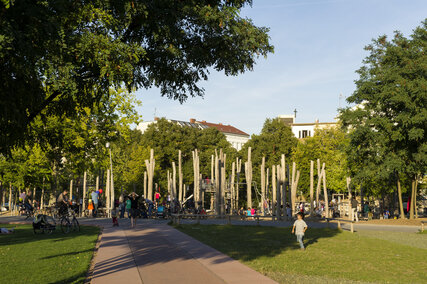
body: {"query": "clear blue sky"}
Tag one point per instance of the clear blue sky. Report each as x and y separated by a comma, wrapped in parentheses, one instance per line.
(318, 46)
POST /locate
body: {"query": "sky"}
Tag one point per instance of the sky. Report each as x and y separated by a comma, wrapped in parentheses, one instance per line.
(319, 44)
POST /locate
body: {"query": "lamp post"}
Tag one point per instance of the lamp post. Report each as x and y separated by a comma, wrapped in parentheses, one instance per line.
(111, 205)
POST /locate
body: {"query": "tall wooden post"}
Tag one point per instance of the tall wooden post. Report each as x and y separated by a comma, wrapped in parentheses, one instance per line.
(278, 192)
(97, 183)
(238, 171)
(262, 185)
(311, 187)
(174, 191)
(273, 190)
(248, 175)
(284, 182)
(145, 184)
(196, 171)
(150, 164)
(84, 193)
(107, 193)
(415, 197)
(71, 190)
(350, 217)
(41, 197)
(10, 197)
(325, 192)
(267, 190)
(319, 180)
(180, 176)
(223, 182)
(232, 188)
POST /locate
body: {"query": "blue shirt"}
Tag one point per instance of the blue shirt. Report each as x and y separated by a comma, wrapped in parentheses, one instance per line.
(94, 197)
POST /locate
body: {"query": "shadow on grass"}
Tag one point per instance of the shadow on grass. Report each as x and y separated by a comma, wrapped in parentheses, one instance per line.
(248, 242)
(25, 234)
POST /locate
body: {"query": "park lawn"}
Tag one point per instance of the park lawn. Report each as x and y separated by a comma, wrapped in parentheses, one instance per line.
(55, 258)
(332, 256)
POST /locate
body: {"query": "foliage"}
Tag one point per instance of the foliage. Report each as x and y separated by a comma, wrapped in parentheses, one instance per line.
(166, 138)
(274, 252)
(61, 57)
(387, 125)
(328, 145)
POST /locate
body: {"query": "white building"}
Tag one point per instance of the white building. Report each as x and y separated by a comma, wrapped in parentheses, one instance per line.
(303, 130)
(236, 137)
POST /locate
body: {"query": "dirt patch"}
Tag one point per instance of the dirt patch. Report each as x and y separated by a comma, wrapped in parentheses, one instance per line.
(397, 222)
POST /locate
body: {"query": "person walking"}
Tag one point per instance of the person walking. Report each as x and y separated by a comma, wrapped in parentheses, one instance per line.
(95, 199)
(354, 216)
(133, 197)
(299, 229)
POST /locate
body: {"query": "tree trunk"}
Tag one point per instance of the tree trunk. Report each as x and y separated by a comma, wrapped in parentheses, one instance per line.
(10, 196)
(399, 193)
(71, 190)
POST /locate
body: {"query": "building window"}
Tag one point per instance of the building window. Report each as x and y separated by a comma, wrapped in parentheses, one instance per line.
(304, 133)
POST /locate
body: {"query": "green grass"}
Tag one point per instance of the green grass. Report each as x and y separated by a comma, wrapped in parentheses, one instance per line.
(332, 256)
(55, 258)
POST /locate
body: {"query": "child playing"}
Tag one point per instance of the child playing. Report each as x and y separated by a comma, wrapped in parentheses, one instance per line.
(299, 229)
(114, 217)
(90, 208)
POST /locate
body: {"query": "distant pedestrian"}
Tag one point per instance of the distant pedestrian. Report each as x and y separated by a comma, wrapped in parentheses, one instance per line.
(128, 206)
(133, 197)
(95, 199)
(299, 229)
(288, 211)
(354, 216)
(90, 208)
(114, 217)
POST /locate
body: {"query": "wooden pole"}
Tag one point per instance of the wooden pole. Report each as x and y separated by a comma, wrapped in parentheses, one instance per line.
(267, 183)
(239, 170)
(411, 208)
(325, 192)
(263, 186)
(278, 194)
(145, 184)
(283, 183)
(415, 197)
(150, 165)
(10, 197)
(350, 213)
(399, 192)
(232, 187)
(174, 194)
(71, 190)
(107, 193)
(293, 193)
(311, 187)
(273, 190)
(318, 182)
(97, 183)
(84, 193)
(180, 176)
(248, 171)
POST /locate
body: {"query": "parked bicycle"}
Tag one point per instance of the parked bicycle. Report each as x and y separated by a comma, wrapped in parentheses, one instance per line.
(68, 221)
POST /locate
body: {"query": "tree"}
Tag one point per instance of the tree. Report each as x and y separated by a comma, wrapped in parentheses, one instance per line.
(387, 127)
(61, 57)
(328, 145)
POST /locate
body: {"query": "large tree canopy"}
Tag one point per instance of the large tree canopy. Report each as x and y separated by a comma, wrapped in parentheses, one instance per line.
(387, 126)
(59, 57)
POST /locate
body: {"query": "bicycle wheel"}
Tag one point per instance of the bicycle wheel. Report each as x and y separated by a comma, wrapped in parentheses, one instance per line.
(75, 225)
(65, 225)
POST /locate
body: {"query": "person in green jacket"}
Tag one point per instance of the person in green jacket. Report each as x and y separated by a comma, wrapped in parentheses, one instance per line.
(128, 206)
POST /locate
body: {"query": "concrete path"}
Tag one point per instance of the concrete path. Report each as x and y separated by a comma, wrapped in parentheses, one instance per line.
(157, 253)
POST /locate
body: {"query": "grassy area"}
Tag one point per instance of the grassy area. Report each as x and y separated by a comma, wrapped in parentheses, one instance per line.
(55, 258)
(332, 256)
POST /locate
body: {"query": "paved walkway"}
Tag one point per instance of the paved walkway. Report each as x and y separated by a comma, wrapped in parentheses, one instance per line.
(157, 253)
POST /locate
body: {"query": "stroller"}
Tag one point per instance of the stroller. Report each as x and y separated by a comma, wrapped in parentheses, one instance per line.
(43, 224)
(160, 212)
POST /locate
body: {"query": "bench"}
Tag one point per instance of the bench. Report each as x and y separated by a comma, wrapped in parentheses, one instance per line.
(343, 221)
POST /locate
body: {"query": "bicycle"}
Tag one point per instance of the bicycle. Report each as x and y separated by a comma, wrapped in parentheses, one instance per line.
(68, 224)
